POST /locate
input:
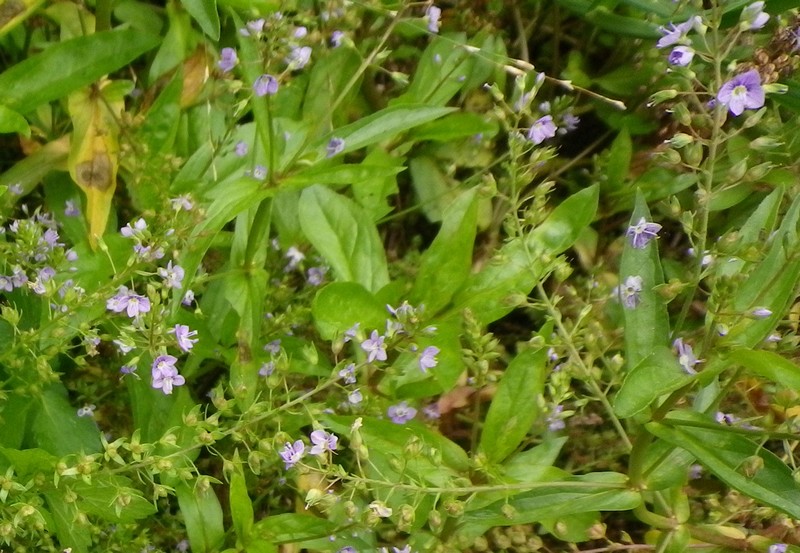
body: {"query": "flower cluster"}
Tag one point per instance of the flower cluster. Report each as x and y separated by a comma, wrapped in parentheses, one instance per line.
(323, 443)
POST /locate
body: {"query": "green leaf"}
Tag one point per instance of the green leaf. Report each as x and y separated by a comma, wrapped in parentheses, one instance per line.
(79, 537)
(519, 265)
(446, 264)
(67, 66)
(293, 527)
(205, 13)
(241, 506)
(665, 466)
(340, 174)
(27, 462)
(727, 454)
(440, 73)
(656, 375)
(99, 498)
(229, 199)
(434, 189)
(581, 494)
(58, 429)
(345, 236)
(647, 324)
(13, 122)
(387, 436)
(514, 406)
(382, 125)
(771, 284)
(769, 365)
(14, 419)
(454, 127)
(327, 82)
(202, 515)
(619, 161)
(340, 305)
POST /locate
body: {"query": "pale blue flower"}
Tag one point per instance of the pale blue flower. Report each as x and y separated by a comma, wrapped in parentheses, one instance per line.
(265, 84)
(686, 357)
(292, 453)
(227, 59)
(401, 413)
(642, 232)
(335, 146)
(427, 360)
(374, 347)
(753, 16)
(184, 336)
(742, 92)
(432, 16)
(542, 129)
(629, 291)
(323, 442)
(681, 56)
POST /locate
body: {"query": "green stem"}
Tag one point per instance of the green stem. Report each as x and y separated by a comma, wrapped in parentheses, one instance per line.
(574, 354)
(102, 16)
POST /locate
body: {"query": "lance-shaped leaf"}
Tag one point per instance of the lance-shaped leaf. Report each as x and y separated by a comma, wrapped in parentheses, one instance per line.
(735, 459)
(93, 157)
(646, 320)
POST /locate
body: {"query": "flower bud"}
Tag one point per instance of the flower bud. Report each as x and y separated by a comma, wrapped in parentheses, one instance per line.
(661, 96)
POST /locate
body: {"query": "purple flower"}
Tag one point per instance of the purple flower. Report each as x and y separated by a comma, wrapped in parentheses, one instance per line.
(292, 453)
(165, 375)
(267, 369)
(336, 38)
(316, 275)
(260, 172)
(128, 369)
(742, 92)
(374, 347)
(227, 59)
(681, 55)
(778, 548)
(129, 301)
(5, 284)
(629, 292)
(265, 84)
(188, 298)
(18, 276)
(351, 333)
(427, 360)
(182, 202)
(87, 410)
(569, 122)
(241, 148)
(761, 313)
(431, 411)
(273, 347)
(295, 257)
(70, 209)
(753, 16)
(554, 420)
(335, 146)
(348, 374)
(253, 27)
(542, 129)
(298, 57)
(300, 32)
(136, 230)
(401, 413)
(674, 33)
(184, 336)
(355, 397)
(432, 16)
(323, 441)
(173, 276)
(686, 357)
(642, 232)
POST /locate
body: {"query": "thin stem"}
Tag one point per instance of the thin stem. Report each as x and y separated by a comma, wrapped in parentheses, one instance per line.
(600, 395)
